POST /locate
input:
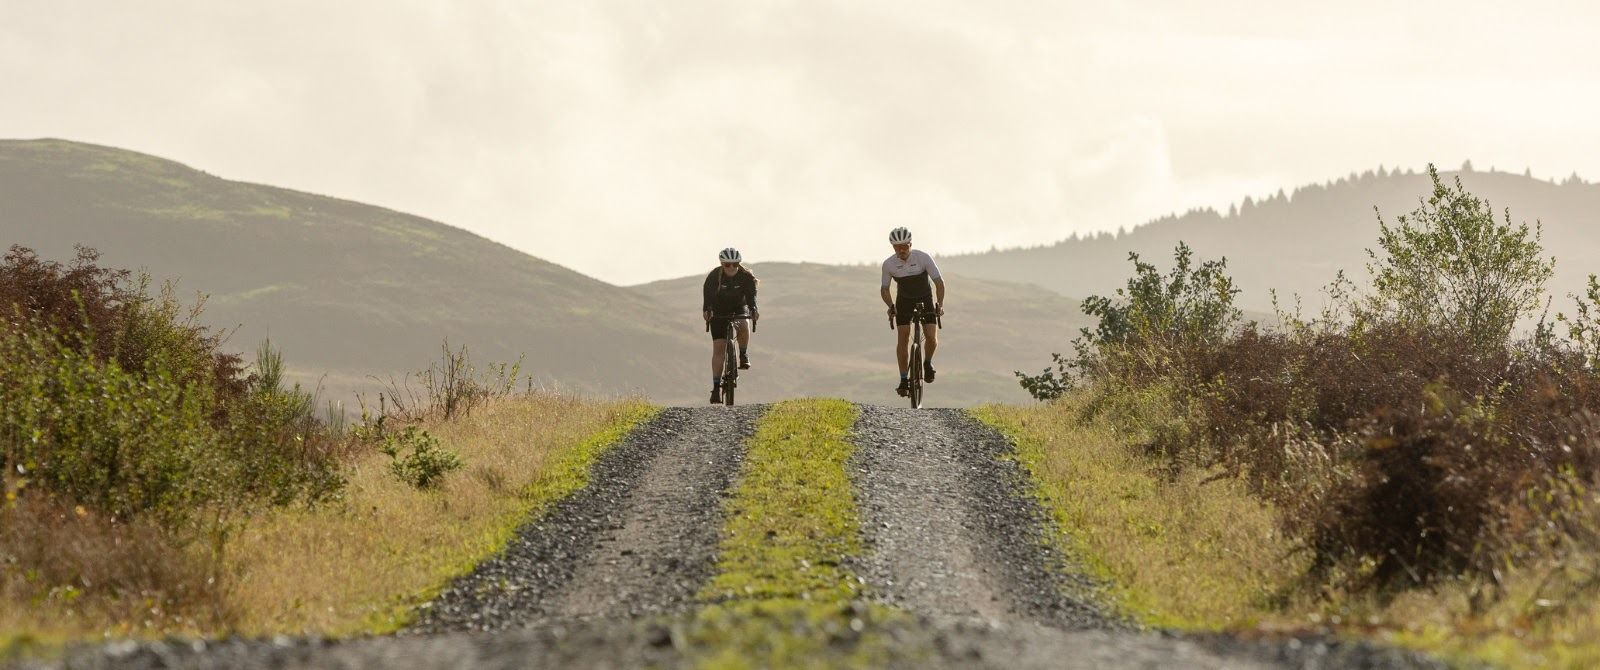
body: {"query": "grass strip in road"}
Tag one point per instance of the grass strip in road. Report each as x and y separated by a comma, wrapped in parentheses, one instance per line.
(1174, 552)
(363, 567)
(782, 595)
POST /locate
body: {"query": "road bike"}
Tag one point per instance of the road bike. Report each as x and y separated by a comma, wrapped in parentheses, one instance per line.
(918, 312)
(730, 354)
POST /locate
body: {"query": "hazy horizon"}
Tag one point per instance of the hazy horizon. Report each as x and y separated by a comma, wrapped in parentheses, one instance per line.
(627, 141)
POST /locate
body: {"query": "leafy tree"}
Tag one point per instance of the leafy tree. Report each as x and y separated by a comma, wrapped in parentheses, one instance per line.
(1449, 264)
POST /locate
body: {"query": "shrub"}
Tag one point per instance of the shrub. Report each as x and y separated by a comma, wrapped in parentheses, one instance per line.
(417, 459)
(1404, 435)
(452, 386)
(1583, 327)
(110, 314)
(1449, 265)
(1147, 329)
(159, 423)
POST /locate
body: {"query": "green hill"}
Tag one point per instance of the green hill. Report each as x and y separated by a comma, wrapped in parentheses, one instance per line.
(350, 290)
(1296, 242)
(344, 288)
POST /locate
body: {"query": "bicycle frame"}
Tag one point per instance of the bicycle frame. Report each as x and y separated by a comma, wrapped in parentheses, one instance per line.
(730, 357)
(914, 365)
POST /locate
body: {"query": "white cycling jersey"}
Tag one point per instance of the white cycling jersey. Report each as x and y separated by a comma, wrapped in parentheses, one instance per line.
(916, 263)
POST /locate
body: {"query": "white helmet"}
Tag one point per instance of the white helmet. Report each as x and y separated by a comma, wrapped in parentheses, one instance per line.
(730, 255)
(899, 236)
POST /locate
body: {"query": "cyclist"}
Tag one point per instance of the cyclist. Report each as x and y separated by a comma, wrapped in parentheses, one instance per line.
(729, 295)
(912, 271)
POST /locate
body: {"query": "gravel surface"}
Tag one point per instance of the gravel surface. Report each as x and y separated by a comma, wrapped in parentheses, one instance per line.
(951, 527)
(640, 539)
(956, 537)
(606, 578)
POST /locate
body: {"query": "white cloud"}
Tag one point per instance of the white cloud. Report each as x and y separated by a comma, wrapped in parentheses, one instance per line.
(632, 140)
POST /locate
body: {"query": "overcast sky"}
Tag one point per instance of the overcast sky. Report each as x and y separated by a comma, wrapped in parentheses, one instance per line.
(632, 140)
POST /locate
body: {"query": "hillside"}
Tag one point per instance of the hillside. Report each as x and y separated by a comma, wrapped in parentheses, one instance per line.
(349, 290)
(343, 288)
(824, 330)
(1297, 242)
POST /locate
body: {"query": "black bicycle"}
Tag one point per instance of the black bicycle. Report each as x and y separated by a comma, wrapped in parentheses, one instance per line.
(730, 354)
(919, 311)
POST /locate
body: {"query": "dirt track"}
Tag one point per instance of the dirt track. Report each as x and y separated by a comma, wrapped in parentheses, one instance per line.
(953, 537)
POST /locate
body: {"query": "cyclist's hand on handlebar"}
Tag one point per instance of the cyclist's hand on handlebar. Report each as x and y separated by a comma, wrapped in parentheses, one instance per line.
(707, 315)
(891, 311)
(938, 310)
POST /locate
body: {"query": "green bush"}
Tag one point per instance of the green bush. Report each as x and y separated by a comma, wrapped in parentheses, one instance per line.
(417, 459)
(118, 400)
(121, 442)
(1583, 327)
(1147, 329)
(1404, 435)
(1448, 265)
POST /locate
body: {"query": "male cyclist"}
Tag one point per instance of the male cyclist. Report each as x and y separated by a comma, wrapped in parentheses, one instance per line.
(912, 271)
(730, 295)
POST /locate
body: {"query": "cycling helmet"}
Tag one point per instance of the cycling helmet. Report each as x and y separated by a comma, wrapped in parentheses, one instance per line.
(899, 236)
(730, 255)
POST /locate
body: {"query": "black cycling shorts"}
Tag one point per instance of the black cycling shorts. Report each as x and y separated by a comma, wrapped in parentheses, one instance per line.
(719, 325)
(902, 309)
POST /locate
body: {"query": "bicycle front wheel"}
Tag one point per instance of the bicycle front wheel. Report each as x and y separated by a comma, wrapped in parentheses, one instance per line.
(916, 376)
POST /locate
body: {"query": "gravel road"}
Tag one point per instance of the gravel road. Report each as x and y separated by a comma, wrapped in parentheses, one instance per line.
(952, 530)
(605, 578)
(640, 539)
(956, 537)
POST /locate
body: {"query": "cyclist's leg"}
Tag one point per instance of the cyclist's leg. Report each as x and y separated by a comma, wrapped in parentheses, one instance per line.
(718, 352)
(719, 343)
(743, 325)
(903, 348)
(930, 340)
(744, 342)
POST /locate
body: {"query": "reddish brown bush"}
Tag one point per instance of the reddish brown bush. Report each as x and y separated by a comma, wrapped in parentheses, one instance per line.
(109, 313)
(1397, 455)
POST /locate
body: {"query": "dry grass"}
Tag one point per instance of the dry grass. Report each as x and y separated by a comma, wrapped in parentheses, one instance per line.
(1175, 551)
(342, 568)
(1545, 618)
(1181, 552)
(362, 566)
(68, 573)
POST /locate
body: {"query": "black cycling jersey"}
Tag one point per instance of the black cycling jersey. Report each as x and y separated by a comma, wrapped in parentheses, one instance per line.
(916, 286)
(729, 296)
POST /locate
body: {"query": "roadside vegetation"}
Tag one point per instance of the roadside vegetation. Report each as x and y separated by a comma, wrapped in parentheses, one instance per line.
(1417, 460)
(782, 595)
(155, 484)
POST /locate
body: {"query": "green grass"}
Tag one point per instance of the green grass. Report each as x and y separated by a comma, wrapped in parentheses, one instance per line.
(1175, 552)
(1186, 552)
(567, 474)
(782, 596)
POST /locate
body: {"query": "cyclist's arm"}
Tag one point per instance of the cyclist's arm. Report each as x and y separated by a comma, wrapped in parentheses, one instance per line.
(884, 287)
(750, 297)
(707, 292)
(938, 290)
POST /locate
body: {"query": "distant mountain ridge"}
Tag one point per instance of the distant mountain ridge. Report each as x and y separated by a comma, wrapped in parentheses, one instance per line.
(340, 286)
(1296, 242)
